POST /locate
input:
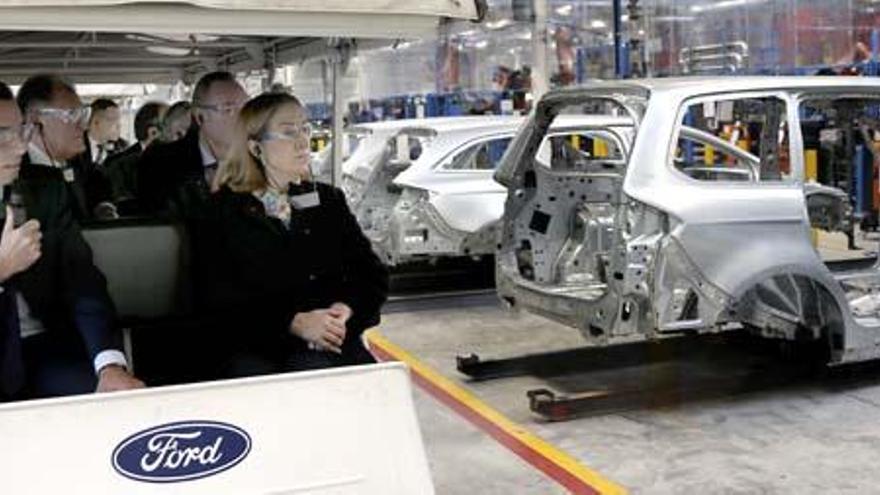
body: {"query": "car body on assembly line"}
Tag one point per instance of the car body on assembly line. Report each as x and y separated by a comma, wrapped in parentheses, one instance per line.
(424, 189)
(709, 222)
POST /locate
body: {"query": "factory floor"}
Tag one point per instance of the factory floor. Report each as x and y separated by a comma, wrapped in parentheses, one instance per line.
(809, 435)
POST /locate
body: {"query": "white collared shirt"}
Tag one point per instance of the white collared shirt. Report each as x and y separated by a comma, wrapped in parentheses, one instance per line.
(39, 157)
(95, 150)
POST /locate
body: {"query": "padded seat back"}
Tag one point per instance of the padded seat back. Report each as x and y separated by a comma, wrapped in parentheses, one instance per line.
(147, 267)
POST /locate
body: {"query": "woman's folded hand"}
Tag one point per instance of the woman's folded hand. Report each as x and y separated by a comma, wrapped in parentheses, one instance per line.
(323, 328)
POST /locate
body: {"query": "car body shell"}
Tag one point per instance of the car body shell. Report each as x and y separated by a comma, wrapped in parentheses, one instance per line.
(650, 239)
(421, 208)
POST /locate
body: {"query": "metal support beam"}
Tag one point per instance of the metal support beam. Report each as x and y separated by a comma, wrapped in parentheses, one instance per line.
(40, 45)
(620, 69)
(156, 62)
(339, 66)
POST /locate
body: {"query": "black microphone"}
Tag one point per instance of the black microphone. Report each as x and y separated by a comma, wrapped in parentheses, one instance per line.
(302, 196)
(12, 197)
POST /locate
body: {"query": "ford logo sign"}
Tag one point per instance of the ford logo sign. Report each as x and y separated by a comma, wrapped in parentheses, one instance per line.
(182, 451)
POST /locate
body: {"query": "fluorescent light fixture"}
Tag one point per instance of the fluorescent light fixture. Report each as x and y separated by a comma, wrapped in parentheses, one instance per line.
(724, 4)
(482, 44)
(598, 24)
(499, 24)
(175, 38)
(674, 18)
(565, 10)
(170, 51)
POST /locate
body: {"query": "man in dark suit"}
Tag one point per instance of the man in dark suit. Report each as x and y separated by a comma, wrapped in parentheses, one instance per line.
(102, 141)
(176, 177)
(120, 170)
(103, 138)
(56, 318)
(58, 145)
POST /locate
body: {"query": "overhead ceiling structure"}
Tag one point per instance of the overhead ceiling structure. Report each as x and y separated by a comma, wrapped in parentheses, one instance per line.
(168, 41)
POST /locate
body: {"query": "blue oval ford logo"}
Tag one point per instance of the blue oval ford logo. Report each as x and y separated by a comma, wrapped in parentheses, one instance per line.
(181, 451)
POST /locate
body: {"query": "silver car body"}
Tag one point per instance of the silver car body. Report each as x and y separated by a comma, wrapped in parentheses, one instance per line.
(646, 252)
(413, 202)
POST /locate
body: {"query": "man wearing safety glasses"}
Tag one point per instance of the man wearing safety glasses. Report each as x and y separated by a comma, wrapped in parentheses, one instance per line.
(177, 176)
(56, 324)
(60, 118)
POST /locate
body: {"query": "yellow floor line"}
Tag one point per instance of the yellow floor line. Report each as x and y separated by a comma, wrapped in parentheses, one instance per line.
(536, 443)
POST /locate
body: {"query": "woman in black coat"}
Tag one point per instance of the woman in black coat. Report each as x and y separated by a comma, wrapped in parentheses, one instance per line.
(282, 265)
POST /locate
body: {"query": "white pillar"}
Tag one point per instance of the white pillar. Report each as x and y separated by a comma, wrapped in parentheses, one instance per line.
(338, 66)
(540, 71)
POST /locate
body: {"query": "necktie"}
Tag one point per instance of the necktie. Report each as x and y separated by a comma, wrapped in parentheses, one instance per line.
(103, 151)
(11, 362)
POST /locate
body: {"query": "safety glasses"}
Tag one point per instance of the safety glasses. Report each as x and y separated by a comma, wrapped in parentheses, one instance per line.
(68, 115)
(290, 133)
(22, 132)
(227, 110)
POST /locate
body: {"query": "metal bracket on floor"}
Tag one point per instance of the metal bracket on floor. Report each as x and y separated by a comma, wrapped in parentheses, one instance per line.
(562, 407)
(647, 375)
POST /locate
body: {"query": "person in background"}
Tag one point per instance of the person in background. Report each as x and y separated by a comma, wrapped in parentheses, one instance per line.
(282, 266)
(103, 135)
(53, 107)
(177, 121)
(174, 177)
(120, 169)
(103, 141)
(57, 334)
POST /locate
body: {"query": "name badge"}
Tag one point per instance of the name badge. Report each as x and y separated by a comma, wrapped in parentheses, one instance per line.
(305, 200)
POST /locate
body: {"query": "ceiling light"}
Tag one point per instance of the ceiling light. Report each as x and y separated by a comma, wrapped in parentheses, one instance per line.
(499, 24)
(177, 38)
(565, 10)
(598, 24)
(724, 4)
(170, 51)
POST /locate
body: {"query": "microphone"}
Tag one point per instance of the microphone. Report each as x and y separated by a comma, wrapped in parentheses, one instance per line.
(301, 198)
(12, 197)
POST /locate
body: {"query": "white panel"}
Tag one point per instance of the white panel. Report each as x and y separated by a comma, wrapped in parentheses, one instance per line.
(317, 18)
(343, 431)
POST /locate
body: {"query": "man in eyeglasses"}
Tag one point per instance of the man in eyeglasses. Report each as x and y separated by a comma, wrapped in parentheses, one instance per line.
(177, 176)
(56, 323)
(53, 107)
(121, 168)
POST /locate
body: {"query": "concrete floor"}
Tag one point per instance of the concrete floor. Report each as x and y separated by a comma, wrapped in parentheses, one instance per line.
(799, 439)
(465, 460)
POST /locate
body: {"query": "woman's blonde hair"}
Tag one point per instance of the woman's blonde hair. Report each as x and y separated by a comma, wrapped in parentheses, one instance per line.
(242, 171)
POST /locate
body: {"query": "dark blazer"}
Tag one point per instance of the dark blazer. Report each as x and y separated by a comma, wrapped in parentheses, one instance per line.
(253, 275)
(116, 147)
(120, 172)
(63, 288)
(171, 177)
(90, 187)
